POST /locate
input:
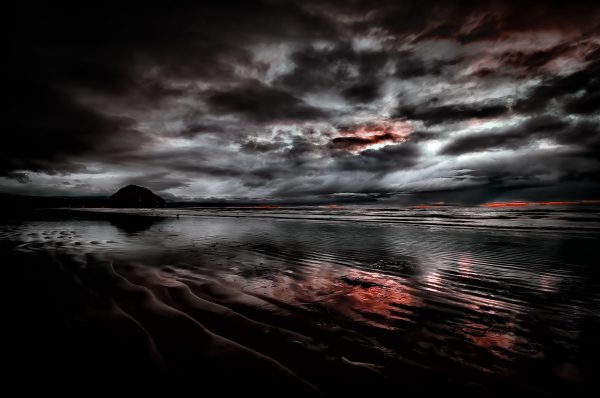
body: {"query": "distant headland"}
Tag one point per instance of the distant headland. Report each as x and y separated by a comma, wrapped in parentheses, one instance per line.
(134, 196)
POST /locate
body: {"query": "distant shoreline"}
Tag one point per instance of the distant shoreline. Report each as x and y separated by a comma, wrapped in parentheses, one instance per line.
(542, 220)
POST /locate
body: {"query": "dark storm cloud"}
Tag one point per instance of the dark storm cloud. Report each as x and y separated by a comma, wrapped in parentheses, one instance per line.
(312, 185)
(261, 103)
(300, 148)
(362, 92)
(566, 172)
(22, 178)
(409, 65)
(111, 49)
(194, 129)
(287, 99)
(255, 146)
(422, 136)
(431, 114)
(533, 61)
(354, 72)
(512, 138)
(359, 142)
(470, 21)
(193, 162)
(48, 131)
(585, 104)
(580, 89)
(386, 159)
(532, 170)
(585, 135)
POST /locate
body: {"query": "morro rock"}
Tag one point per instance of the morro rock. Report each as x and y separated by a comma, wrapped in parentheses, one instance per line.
(136, 196)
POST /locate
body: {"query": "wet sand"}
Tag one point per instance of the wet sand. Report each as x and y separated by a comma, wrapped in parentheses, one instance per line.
(299, 308)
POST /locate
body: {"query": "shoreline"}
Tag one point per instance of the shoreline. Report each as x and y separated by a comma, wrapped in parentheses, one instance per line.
(145, 300)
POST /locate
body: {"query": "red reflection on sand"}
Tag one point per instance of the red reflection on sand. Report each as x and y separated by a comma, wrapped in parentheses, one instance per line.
(549, 283)
(379, 300)
(489, 337)
(353, 293)
(464, 266)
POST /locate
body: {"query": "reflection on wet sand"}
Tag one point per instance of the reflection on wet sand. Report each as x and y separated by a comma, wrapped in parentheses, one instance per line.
(368, 297)
(385, 301)
(133, 224)
(499, 312)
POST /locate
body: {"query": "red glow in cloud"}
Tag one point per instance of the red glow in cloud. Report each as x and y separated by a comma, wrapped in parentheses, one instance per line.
(557, 203)
(506, 204)
(551, 203)
(361, 137)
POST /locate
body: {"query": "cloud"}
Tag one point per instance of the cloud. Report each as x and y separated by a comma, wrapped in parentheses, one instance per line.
(261, 147)
(49, 131)
(585, 81)
(583, 134)
(388, 158)
(450, 113)
(21, 178)
(314, 101)
(585, 104)
(261, 103)
(365, 92)
(341, 67)
(360, 142)
(197, 128)
(470, 22)
(533, 129)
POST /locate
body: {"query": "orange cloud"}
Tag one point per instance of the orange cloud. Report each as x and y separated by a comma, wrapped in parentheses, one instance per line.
(549, 203)
(506, 204)
(364, 136)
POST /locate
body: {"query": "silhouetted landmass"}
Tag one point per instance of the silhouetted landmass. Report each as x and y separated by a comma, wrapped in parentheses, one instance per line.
(16, 206)
(136, 196)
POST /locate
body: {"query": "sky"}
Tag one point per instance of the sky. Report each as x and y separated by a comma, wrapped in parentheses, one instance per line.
(309, 102)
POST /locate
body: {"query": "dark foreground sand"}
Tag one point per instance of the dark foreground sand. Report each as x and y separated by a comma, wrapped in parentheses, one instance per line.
(85, 320)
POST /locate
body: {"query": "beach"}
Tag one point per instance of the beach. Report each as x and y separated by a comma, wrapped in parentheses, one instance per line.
(325, 302)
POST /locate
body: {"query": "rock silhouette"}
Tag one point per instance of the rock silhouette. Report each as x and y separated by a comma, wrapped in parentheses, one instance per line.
(136, 196)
